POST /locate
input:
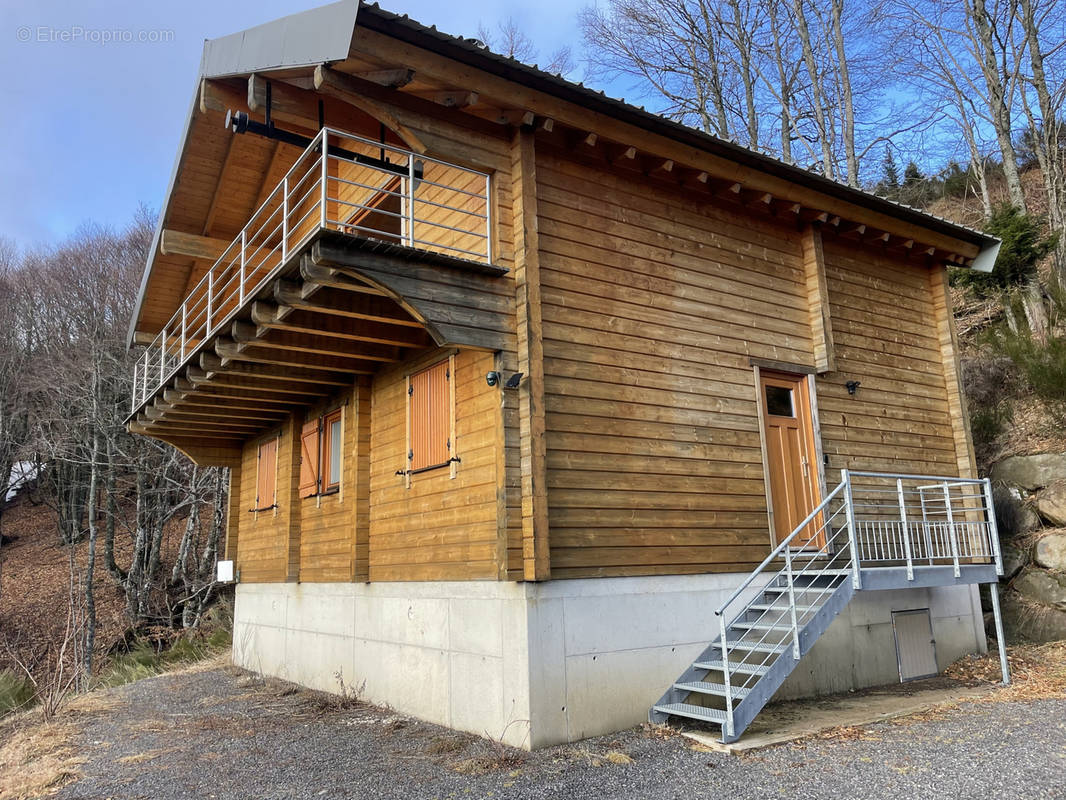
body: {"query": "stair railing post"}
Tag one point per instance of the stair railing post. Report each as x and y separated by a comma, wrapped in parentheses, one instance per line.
(925, 525)
(323, 219)
(210, 299)
(853, 534)
(241, 277)
(792, 604)
(285, 219)
(133, 393)
(903, 530)
(725, 677)
(951, 530)
(411, 199)
(993, 527)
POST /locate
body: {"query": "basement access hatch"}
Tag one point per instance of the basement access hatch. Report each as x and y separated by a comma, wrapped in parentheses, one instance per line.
(915, 646)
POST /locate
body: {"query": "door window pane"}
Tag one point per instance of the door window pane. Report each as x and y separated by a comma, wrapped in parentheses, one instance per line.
(779, 401)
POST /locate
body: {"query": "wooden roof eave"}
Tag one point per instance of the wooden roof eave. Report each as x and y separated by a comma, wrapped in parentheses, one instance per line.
(452, 62)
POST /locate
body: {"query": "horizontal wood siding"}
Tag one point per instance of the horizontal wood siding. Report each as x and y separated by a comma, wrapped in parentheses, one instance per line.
(441, 528)
(327, 523)
(262, 538)
(652, 306)
(886, 333)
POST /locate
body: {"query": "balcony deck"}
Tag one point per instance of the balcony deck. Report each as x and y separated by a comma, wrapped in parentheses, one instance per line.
(362, 254)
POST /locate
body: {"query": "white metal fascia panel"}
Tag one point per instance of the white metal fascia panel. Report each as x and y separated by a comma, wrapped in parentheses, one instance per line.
(310, 37)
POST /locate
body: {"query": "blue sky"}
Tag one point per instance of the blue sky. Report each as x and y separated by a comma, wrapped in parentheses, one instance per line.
(92, 126)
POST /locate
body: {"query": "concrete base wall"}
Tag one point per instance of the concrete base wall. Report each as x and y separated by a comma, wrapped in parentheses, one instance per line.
(540, 664)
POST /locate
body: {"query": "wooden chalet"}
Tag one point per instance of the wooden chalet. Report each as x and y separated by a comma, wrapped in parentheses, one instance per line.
(534, 402)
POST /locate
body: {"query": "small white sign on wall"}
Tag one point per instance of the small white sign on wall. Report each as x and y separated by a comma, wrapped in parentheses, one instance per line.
(225, 572)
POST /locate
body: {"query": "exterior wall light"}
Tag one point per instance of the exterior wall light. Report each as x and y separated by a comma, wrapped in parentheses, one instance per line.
(852, 386)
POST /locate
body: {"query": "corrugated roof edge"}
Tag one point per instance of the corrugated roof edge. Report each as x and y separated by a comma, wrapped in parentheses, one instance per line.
(376, 18)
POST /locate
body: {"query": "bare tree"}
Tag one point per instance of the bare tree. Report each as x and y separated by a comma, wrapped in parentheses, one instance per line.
(509, 39)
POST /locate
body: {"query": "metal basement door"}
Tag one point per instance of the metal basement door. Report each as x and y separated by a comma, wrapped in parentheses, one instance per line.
(915, 646)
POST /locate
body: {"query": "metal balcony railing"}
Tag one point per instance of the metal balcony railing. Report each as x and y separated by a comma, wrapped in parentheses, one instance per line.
(341, 182)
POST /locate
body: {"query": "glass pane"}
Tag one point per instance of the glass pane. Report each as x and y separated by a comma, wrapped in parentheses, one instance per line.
(779, 401)
(335, 452)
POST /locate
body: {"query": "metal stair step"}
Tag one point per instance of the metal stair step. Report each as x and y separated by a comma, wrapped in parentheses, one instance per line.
(702, 687)
(765, 607)
(734, 666)
(693, 712)
(757, 647)
(785, 625)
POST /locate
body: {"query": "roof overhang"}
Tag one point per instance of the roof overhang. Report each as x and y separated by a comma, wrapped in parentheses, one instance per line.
(471, 53)
(311, 37)
(327, 34)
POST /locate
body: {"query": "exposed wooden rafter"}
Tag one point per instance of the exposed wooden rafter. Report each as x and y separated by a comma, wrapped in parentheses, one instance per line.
(203, 248)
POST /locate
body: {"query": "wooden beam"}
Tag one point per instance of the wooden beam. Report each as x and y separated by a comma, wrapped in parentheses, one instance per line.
(813, 215)
(174, 399)
(342, 304)
(213, 365)
(621, 155)
(536, 555)
(519, 117)
(450, 98)
(818, 299)
(346, 88)
(335, 278)
(204, 248)
(284, 318)
(227, 165)
(389, 78)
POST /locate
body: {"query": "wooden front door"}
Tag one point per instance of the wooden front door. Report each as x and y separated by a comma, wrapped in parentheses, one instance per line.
(789, 432)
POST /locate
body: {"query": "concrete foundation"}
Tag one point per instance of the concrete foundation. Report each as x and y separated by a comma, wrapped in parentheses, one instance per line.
(541, 664)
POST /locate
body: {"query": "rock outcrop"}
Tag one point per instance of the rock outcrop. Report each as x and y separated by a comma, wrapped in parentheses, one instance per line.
(1051, 503)
(1050, 551)
(1030, 491)
(1030, 472)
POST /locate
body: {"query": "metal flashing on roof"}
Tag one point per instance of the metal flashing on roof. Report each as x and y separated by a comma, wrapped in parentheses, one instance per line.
(310, 37)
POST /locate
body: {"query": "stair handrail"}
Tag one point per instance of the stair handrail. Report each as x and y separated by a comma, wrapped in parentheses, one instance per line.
(779, 549)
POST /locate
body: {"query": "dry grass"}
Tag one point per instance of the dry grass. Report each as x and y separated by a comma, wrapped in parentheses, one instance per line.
(37, 758)
(1038, 672)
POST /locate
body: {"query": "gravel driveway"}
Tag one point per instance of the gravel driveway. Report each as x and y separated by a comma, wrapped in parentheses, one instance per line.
(220, 734)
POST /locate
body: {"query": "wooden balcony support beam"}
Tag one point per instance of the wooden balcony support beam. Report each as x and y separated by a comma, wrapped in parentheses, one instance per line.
(231, 351)
(269, 316)
(189, 245)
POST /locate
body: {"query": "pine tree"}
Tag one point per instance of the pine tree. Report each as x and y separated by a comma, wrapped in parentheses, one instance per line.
(891, 171)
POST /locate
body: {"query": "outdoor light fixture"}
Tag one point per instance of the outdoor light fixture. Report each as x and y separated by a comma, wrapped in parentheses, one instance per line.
(513, 381)
(852, 386)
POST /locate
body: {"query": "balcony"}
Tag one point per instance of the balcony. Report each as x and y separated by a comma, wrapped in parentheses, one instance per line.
(343, 191)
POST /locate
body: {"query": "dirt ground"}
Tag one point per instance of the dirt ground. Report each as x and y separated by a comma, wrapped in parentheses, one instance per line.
(213, 731)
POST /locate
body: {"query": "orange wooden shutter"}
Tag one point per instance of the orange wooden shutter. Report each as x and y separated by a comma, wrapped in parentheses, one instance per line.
(265, 479)
(309, 459)
(430, 417)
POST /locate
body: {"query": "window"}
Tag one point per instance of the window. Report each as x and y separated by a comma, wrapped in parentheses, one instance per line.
(779, 401)
(266, 475)
(429, 418)
(321, 457)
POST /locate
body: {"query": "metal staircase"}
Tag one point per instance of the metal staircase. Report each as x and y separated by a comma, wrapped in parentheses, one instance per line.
(875, 530)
